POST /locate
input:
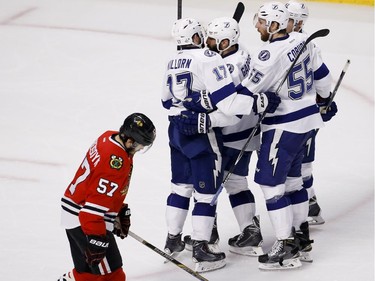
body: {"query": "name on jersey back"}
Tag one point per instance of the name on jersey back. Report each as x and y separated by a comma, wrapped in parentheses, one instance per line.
(179, 63)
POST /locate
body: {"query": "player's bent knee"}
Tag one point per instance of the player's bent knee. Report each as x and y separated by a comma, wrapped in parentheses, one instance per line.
(293, 184)
(236, 184)
(203, 198)
(273, 193)
(184, 190)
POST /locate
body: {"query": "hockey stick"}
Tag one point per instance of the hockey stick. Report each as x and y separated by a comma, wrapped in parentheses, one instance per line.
(179, 9)
(337, 86)
(319, 33)
(240, 9)
(168, 257)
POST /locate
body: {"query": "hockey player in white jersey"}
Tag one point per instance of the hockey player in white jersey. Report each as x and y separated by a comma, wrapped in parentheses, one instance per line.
(196, 160)
(196, 169)
(298, 15)
(285, 132)
(222, 37)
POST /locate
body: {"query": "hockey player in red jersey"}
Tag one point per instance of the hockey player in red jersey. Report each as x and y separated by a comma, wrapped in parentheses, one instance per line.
(93, 207)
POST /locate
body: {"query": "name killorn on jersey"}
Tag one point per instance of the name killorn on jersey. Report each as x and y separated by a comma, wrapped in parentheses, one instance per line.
(179, 63)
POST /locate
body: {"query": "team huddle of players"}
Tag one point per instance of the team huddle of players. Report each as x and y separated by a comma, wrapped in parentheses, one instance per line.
(223, 104)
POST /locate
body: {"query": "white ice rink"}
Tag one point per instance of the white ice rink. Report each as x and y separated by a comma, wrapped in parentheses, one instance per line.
(71, 69)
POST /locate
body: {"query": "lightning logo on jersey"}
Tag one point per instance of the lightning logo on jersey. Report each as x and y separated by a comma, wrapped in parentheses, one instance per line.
(274, 149)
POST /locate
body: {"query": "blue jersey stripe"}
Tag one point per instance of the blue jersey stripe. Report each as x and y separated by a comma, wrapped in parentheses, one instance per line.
(242, 135)
(293, 116)
(222, 93)
(321, 72)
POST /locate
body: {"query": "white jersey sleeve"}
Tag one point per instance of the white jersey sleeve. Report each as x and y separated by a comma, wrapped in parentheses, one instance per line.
(269, 66)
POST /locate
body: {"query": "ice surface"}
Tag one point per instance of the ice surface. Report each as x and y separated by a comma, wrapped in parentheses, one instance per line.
(71, 69)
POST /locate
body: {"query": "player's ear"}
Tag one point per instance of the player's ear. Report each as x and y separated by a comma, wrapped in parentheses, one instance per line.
(274, 26)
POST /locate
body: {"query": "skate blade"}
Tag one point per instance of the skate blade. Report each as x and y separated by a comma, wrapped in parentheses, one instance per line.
(286, 264)
(305, 257)
(315, 220)
(205, 266)
(251, 251)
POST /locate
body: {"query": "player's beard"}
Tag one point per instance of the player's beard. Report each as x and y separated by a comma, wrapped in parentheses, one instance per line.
(213, 48)
(264, 36)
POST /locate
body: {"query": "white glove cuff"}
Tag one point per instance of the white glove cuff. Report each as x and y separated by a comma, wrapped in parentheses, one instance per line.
(261, 102)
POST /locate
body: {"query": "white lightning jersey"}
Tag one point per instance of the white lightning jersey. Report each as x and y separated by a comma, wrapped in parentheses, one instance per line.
(297, 112)
(197, 70)
(235, 136)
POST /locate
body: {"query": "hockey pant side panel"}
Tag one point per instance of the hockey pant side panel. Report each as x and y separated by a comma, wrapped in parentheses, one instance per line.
(111, 262)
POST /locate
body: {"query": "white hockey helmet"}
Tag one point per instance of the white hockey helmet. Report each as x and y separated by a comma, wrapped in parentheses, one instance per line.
(183, 31)
(274, 12)
(297, 11)
(224, 28)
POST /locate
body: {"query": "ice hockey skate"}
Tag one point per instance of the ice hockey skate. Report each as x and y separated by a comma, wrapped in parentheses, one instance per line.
(303, 241)
(213, 244)
(67, 277)
(174, 245)
(205, 259)
(284, 254)
(315, 217)
(249, 242)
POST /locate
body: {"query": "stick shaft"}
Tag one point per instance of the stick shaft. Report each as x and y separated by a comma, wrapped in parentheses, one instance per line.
(168, 257)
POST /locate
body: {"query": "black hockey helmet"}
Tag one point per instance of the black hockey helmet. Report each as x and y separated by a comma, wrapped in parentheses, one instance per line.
(138, 127)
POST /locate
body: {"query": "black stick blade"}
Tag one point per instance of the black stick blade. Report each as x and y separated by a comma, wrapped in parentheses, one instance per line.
(316, 34)
(240, 9)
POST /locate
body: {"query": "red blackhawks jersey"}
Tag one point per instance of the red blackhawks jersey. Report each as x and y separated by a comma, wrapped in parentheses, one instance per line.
(97, 192)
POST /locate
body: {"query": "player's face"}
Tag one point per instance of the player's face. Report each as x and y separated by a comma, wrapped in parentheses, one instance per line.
(260, 25)
(290, 26)
(211, 44)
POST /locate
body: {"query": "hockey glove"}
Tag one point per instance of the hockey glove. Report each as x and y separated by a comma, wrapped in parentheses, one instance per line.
(122, 222)
(96, 249)
(198, 102)
(191, 123)
(267, 102)
(327, 113)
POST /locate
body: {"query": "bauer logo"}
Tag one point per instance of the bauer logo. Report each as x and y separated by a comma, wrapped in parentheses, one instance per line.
(264, 55)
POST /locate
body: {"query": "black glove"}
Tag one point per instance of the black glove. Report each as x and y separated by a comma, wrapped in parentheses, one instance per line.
(96, 249)
(267, 102)
(327, 113)
(191, 123)
(122, 222)
(198, 102)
